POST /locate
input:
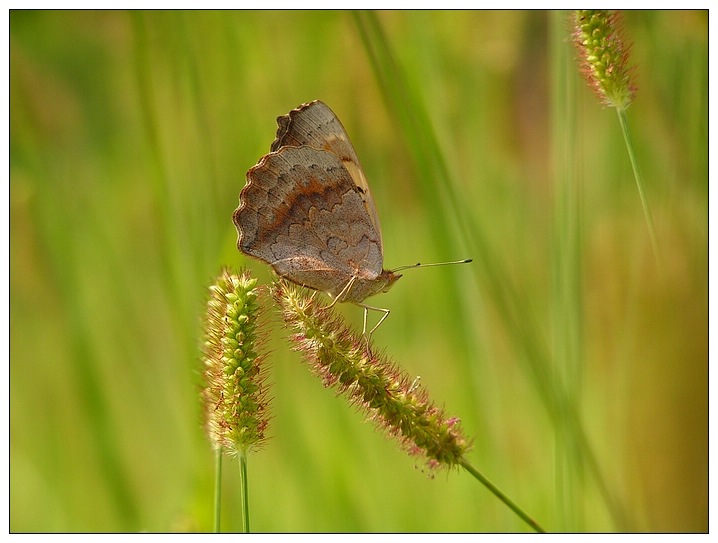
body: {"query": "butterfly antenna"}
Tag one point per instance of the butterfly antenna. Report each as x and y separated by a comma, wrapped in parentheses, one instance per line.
(419, 264)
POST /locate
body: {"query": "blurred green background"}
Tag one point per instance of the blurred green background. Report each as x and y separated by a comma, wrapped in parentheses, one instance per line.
(576, 362)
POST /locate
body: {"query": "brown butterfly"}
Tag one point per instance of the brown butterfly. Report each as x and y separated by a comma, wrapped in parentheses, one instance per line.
(307, 211)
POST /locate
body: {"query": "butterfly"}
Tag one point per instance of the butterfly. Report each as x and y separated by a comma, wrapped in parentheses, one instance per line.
(307, 211)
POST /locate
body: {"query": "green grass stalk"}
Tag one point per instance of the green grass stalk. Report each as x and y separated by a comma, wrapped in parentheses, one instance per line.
(244, 490)
(604, 54)
(235, 392)
(500, 495)
(623, 121)
(217, 489)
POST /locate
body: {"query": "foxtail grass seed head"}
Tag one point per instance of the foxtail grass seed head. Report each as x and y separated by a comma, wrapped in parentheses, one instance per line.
(234, 393)
(397, 403)
(604, 54)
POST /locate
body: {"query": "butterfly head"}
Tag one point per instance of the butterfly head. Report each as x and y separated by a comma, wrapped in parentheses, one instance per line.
(388, 278)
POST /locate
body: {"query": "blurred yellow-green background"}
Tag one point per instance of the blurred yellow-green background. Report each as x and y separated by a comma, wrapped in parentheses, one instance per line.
(576, 360)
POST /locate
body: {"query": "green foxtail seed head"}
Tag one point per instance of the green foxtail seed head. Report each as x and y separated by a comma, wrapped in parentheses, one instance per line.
(394, 401)
(234, 393)
(604, 56)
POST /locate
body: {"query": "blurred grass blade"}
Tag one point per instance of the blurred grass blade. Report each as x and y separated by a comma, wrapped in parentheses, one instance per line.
(567, 314)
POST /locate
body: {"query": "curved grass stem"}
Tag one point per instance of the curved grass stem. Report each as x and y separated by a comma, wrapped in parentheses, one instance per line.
(500, 495)
(639, 181)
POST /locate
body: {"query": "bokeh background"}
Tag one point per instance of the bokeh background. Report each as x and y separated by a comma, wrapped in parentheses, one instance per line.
(576, 360)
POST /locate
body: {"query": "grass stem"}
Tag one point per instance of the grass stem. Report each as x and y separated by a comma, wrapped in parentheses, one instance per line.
(217, 488)
(244, 490)
(639, 181)
(500, 495)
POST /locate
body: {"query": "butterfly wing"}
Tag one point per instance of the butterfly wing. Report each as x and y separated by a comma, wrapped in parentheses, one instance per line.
(315, 125)
(302, 213)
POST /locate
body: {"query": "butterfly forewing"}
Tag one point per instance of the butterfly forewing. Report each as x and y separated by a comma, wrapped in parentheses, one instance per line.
(315, 125)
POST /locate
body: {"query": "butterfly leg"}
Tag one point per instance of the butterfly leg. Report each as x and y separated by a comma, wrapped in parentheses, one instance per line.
(343, 292)
(366, 312)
